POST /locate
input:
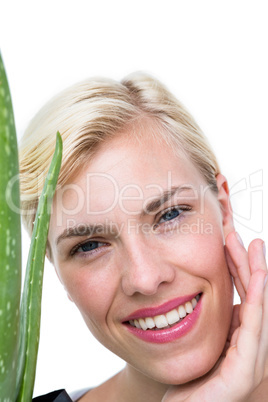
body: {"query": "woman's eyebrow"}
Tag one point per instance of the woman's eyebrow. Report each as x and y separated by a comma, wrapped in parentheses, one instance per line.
(156, 203)
(83, 230)
(99, 229)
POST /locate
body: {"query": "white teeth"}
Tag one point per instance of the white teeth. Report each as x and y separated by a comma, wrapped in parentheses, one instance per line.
(194, 302)
(160, 321)
(182, 312)
(150, 322)
(172, 317)
(142, 324)
(164, 320)
(136, 323)
(188, 307)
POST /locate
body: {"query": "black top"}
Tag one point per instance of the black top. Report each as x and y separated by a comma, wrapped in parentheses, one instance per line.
(55, 396)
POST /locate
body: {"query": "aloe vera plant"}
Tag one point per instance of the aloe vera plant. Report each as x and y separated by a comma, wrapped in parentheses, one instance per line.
(19, 321)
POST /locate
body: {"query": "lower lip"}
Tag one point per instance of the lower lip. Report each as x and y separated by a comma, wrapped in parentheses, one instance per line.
(169, 334)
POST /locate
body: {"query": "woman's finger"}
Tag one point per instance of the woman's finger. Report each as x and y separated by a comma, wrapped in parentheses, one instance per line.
(237, 260)
(233, 271)
(262, 363)
(256, 255)
(232, 337)
(256, 262)
(235, 377)
(246, 351)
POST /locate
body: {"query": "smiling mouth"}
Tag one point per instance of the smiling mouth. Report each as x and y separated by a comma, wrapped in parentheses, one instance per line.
(168, 319)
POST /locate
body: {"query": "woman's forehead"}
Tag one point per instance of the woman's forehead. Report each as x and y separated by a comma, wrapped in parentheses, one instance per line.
(130, 162)
(130, 174)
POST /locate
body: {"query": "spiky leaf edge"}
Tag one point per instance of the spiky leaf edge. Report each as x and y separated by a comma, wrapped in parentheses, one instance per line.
(32, 293)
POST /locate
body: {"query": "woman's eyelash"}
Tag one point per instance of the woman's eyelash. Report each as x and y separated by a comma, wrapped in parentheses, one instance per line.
(89, 246)
(92, 246)
(172, 213)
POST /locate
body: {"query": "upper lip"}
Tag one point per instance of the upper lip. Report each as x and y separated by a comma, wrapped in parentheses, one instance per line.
(162, 309)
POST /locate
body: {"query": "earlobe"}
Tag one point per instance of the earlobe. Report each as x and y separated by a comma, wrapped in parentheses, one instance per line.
(224, 201)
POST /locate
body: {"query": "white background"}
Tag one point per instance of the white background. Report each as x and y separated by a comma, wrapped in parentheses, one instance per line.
(211, 54)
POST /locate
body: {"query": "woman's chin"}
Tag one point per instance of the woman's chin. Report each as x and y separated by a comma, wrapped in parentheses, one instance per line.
(181, 374)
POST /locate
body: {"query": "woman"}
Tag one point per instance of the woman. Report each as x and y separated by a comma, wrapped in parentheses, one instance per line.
(142, 238)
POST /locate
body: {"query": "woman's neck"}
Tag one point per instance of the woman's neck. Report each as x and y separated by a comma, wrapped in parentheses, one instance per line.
(128, 385)
(143, 388)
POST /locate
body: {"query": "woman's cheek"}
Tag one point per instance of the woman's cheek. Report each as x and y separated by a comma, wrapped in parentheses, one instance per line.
(91, 291)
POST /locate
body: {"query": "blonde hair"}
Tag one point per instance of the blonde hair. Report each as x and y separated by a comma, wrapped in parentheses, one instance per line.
(91, 112)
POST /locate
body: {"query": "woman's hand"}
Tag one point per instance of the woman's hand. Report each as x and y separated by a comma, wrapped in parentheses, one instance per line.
(242, 373)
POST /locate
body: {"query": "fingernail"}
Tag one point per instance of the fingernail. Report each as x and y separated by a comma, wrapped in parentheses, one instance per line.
(239, 239)
(264, 249)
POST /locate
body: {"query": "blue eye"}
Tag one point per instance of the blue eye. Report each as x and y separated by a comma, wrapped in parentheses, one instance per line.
(170, 214)
(88, 247)
(173, 213)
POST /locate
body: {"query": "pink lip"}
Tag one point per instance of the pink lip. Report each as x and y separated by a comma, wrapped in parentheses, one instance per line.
(163, 309)
(168, 334)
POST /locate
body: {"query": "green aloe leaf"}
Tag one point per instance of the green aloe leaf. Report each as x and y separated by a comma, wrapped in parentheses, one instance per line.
(20, 325)
(10, 244)
(32, 293)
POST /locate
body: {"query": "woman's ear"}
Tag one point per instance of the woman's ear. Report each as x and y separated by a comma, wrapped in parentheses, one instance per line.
(225, 204)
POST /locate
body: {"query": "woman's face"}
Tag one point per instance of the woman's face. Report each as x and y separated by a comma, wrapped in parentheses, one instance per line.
(137, 240)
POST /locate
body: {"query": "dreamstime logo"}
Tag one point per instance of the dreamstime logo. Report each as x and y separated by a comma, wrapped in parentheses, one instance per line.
(246, 197)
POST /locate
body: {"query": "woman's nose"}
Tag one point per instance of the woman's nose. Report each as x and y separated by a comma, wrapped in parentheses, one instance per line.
(144, 270)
